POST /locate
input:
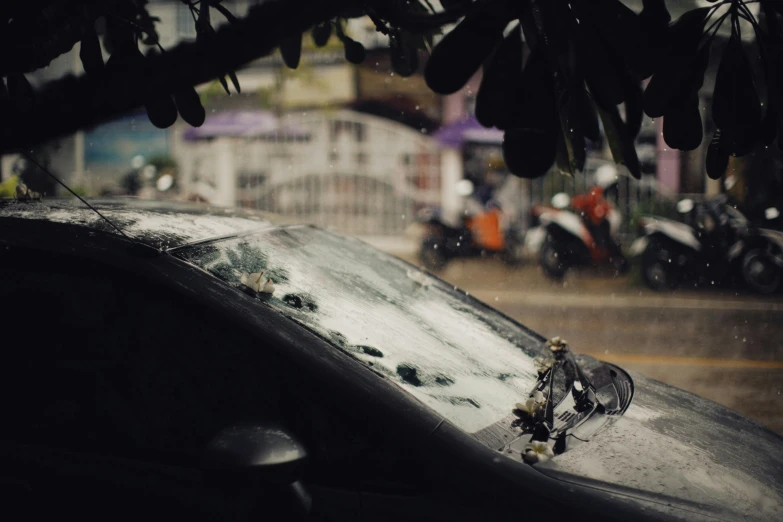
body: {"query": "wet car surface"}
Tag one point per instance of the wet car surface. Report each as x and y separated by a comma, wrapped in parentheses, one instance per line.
(427, 362)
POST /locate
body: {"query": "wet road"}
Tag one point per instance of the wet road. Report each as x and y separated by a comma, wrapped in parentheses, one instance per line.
(725, 346)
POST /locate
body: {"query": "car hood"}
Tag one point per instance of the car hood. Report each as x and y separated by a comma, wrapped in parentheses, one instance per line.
(675, 448)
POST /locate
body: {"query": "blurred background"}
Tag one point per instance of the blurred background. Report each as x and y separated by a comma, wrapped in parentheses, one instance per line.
(360, 150)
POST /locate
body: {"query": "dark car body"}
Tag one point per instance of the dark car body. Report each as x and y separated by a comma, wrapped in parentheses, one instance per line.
(124, 357)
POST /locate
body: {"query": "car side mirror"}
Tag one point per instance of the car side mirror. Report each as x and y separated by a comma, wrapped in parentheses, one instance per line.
(266, 451)
(263, 460)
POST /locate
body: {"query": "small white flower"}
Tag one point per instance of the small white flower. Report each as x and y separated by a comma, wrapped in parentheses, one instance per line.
(556, 344)
(419, 278)
(255, 281)
(543, 364)
(269, 287)
(537, 451)
(532, 404)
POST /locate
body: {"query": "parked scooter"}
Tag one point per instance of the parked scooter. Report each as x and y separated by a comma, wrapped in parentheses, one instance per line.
(479, 233)
(569, 241)
(712, 245)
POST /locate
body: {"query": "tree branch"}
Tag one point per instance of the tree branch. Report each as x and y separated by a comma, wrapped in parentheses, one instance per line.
(70, 104)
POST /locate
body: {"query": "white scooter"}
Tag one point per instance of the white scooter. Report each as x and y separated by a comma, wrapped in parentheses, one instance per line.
(713, 243)
(565, 241)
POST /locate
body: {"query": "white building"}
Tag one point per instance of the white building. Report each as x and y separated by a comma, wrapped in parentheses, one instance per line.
(340, 169)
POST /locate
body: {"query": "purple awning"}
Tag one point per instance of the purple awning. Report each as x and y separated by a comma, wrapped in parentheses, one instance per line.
(245, 124)
(468, 129)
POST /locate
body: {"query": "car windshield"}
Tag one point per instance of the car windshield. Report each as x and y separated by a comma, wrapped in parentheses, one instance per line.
(464, 360)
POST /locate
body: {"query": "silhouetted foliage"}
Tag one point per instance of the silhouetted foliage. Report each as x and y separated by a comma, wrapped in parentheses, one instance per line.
(552, 68)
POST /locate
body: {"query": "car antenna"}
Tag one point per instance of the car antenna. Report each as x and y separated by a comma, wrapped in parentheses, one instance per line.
(136, 249)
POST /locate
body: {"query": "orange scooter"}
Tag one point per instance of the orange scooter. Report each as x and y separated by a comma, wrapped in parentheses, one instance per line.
(478, 235)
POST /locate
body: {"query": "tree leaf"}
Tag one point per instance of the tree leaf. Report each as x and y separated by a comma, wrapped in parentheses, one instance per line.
(161, 111)
(291, 49)
(354, 51)
(19, 89)
(234, 80)
(681, 51)
(634, 104)
(682, 124)
(224, 83)
(90, 51)
(404, 54)
(735, 105)
(461, 52)
(499, 99)
(653, 21)
(321, 33)
(529, 153)
(588, 117)
(717, 156)
(621, 29)
(538, 110)
(225, 12)
(189, 107)
(570, 134)
(620, 143)
(601, 69)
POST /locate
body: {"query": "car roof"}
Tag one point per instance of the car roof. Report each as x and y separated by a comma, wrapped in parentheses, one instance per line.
(158, 224)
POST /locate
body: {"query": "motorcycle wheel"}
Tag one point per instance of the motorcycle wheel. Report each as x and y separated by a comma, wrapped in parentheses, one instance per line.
(432, 258)
(760, 272)
(657, 271)
(552, 261)
(620, 264)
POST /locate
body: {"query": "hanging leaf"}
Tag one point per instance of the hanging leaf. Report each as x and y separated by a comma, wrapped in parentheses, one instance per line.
(499, 99)
(682, 124)
(404, 53)
(735, 104)
(189, 107)
(621, 29)
(529, 147)
(321, 33)
(291, 49)
(774, 64)
(653, 22)
(354, 51)
(461, 52)
(681, 52)
(538, 109)
(563, 160)
(224, 83)
(90, 51)
(225, 12)
(161, 111)
(769, 127)
(588, 117)
(620, 143)
(19, 89)
(601, 68)
(235, 81)
(717, 156)
(529, 153)
(634, 104)
(570, 135)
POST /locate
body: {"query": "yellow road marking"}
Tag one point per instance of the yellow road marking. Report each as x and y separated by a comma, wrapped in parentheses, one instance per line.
(620, 359)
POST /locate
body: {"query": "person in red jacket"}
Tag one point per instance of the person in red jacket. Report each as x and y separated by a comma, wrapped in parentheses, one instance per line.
(594, 210)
